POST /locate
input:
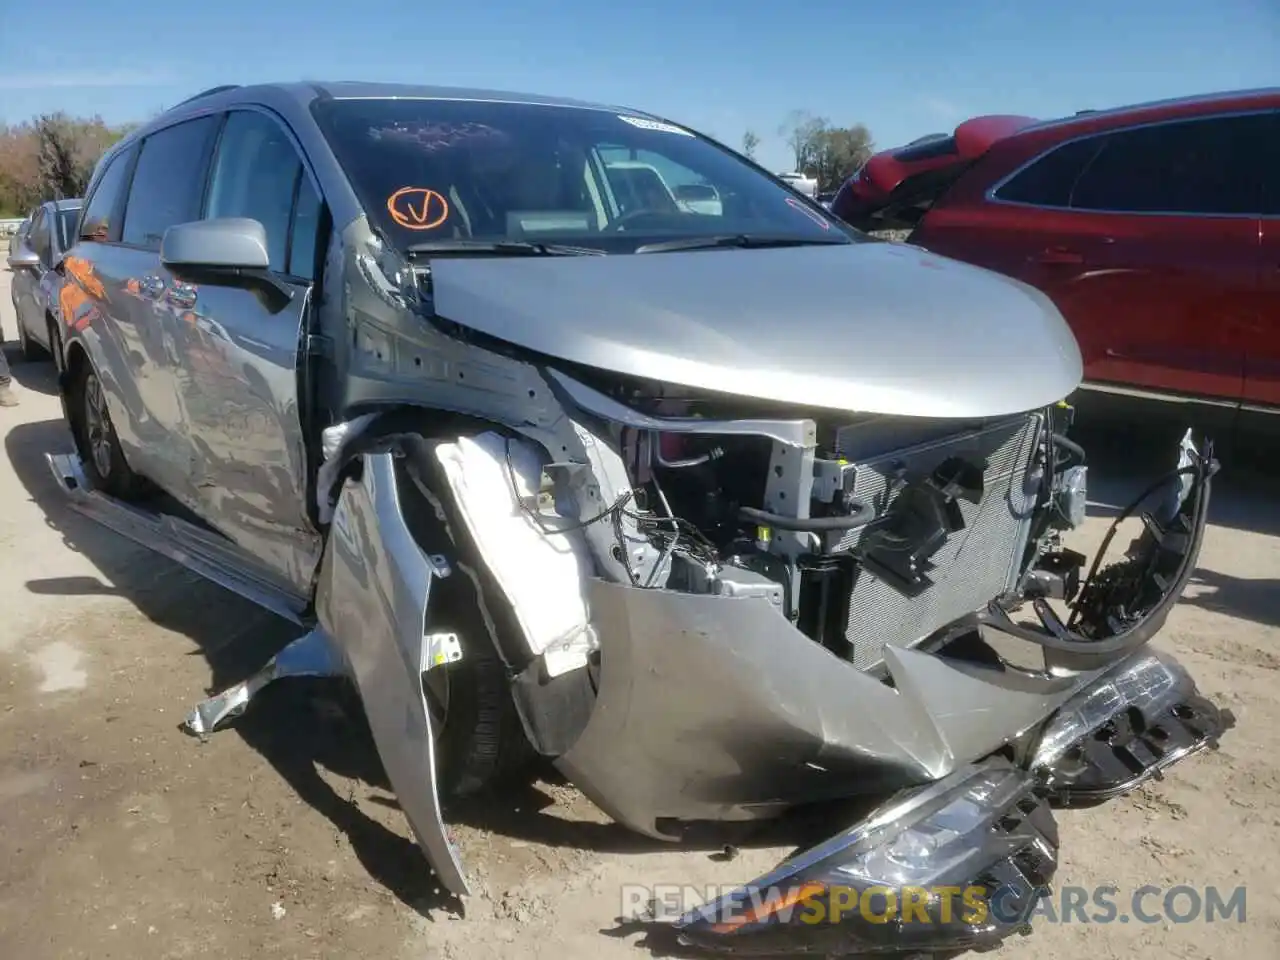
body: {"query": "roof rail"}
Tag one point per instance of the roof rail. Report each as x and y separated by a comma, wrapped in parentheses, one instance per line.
(208, 93)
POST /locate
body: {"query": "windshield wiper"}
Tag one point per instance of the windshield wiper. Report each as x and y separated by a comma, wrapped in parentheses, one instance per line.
(515, 248)
(740, 240)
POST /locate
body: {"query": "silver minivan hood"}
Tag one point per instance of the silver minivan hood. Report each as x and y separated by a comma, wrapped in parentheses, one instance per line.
(869, 327)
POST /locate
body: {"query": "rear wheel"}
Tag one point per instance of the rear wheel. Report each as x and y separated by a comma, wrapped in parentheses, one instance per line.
(96, 439)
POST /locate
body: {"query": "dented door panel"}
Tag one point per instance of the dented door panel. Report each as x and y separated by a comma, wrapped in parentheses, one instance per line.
(372, 597)
(238, 386)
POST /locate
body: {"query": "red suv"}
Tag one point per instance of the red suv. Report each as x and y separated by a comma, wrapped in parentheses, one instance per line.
(1154, 228)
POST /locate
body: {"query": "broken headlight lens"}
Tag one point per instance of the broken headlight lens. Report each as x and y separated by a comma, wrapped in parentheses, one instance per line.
(922, 845)
(1140, 681)
(919, 874)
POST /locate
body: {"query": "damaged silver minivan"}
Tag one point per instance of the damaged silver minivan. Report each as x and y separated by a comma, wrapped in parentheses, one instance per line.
(725, 508)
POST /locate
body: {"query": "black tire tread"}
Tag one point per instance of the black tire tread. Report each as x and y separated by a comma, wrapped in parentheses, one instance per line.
(484, 744)
(122, 483)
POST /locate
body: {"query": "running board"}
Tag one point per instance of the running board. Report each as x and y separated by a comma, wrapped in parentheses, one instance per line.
(203, 552)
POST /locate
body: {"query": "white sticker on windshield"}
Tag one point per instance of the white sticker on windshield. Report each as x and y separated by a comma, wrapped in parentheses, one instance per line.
(657, 125)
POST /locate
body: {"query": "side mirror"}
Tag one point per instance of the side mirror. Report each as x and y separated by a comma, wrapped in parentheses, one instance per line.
(228, 243)
(24, 256)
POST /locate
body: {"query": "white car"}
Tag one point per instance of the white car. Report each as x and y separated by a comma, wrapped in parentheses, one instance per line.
(798, 181)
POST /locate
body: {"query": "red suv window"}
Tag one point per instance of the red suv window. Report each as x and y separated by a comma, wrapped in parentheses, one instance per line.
(1201, 166)
(1048, 181)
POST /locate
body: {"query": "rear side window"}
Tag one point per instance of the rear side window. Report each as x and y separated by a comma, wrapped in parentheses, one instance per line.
(1047, 182)
(1202, 167)
(168, 182)
(100, 212)
(1271, 168)
(256, 175)
(39, 238)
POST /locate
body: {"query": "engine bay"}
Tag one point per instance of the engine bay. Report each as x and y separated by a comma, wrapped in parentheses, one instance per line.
(878, 531)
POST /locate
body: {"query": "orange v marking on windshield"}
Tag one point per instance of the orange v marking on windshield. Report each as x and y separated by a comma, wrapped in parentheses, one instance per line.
(417, 208)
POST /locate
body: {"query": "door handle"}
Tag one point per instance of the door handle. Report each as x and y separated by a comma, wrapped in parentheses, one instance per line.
(151, 286)
(1058, 255)
(182, 295)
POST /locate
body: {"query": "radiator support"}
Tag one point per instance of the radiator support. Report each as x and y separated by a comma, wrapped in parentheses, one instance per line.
(975, 556)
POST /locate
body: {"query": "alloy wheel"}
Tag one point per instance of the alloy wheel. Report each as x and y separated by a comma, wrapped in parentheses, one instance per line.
(97, 425)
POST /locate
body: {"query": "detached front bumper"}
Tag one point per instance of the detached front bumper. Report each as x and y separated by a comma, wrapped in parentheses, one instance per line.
(961, 863)
(715, 708)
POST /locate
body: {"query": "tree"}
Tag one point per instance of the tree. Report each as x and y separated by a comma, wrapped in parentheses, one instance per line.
(50, 157)
(829, 154)
(56, 148)
(19, 170)
(838, 152)
(68, 150)
(801, 130)
(749, 143)
(116, 134)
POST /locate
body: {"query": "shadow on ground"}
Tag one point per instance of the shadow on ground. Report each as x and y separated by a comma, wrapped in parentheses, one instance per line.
(1246, 496)
(303, 726)
(1122, 462)
(38, 376)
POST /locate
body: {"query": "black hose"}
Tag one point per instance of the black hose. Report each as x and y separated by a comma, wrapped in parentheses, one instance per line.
(1070, 446)
(862, 515)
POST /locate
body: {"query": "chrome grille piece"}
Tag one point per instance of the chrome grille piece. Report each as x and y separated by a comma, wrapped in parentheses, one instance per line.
(975, 565)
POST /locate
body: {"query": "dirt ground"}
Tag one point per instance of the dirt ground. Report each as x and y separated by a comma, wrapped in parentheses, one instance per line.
(122, 837)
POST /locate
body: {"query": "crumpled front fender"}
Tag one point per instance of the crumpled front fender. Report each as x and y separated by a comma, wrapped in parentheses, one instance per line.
(372, 598)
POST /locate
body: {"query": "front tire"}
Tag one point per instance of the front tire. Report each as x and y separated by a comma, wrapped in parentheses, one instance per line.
(97, 441)
(480, 740)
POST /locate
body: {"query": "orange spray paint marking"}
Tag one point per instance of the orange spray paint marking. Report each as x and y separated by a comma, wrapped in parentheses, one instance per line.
(417, 208)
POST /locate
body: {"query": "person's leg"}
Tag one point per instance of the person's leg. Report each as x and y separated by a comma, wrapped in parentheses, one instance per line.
(7, 399)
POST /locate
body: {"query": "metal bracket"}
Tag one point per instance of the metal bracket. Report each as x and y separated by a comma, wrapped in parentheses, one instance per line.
(442, 648)
(311, 655)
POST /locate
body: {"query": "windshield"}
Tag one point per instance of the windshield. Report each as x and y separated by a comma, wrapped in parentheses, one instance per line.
(67, 227)
(430, 170)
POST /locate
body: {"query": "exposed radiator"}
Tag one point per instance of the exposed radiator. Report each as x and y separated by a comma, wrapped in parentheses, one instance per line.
(974, 565)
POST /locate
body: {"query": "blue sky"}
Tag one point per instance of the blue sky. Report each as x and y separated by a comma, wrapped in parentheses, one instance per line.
(904, 68)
